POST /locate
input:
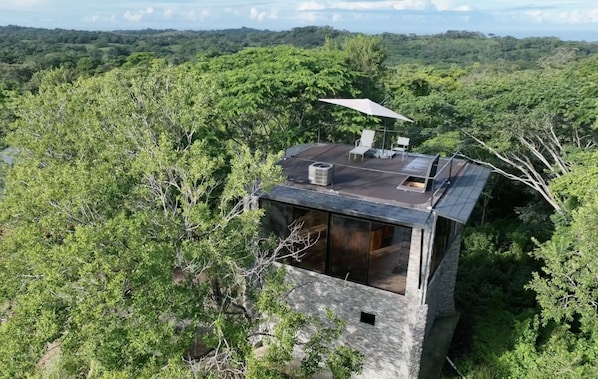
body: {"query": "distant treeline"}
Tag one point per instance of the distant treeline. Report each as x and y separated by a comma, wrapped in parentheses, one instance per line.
(24, 50)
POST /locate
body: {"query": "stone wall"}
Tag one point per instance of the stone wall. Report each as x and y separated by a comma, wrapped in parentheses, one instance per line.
(392, 346)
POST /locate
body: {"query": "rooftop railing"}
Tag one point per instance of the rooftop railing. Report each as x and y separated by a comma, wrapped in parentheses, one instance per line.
(448, 166)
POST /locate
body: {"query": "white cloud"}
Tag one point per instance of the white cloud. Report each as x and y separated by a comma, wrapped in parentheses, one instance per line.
(573, 17)
(438, 5)
(254, 14)
(202, 15)
(169, 13)
(365, 5)
(98, 19)
(273, 15)
(138, 15)
(450, 5)
(411, 5)
(311, 6)
(261, 16)
(232, 11)
(20, 5)
(463, 8)
(536, 17)
(309, 17)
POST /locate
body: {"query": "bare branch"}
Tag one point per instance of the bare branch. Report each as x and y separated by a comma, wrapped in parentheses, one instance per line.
(528, 173)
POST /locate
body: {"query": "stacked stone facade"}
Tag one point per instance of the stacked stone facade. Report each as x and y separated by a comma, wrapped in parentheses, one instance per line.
(393, 344)
(402, 317)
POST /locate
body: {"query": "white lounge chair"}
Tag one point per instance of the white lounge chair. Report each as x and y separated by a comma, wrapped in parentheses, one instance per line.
(364, 144)
(402, 145)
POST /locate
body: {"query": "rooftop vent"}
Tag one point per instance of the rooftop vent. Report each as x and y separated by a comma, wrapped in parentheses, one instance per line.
(320, 173)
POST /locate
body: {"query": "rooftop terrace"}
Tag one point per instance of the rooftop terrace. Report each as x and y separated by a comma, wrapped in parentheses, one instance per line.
(408, 181)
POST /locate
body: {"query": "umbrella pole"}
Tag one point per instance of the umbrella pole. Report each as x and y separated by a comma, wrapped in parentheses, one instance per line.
(319, 126)
(384, 141)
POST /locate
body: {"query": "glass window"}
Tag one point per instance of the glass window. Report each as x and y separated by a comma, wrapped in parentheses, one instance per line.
(277, 217)
(357, 250)
(350, 246)
(389, 257)
(315, 226)
(445, 232)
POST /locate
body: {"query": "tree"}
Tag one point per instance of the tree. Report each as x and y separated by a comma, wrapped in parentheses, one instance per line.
(131, 244)
(366, 56)
(562, 341)
(567, 289)
(536, 127)
(268, 97)
(428, 95)
(529, 120)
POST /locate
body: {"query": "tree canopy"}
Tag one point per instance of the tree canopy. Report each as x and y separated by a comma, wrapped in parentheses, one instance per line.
(131, 244)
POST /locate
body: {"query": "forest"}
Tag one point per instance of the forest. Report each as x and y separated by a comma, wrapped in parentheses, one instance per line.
(139, 154)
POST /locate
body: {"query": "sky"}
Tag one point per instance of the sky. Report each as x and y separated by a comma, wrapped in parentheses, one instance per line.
(565, 19)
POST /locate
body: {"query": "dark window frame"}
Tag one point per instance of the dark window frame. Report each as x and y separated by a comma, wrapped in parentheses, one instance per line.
(445, 232)
(380, 238)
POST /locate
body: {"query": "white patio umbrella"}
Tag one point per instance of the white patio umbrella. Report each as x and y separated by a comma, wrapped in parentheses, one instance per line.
(368, 107)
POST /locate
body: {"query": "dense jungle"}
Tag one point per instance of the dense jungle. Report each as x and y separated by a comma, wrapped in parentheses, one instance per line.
(135, 152)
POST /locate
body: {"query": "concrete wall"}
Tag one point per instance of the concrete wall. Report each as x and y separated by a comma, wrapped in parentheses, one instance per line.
(393, 345)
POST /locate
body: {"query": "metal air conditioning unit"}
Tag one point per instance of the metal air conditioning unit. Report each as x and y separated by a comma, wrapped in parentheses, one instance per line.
(320, 173)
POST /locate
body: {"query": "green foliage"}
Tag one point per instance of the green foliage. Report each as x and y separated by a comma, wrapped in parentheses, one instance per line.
(128, 177)
(267, 97)
(567, 289)
(130, 232)
(522, 123)
(578, 187)
(426, 94)
(490, 296)
(464, 47)
(444, 144)
(319, 351)
(558, 354)
(344, 362)
(24, 51)
(28, 50)
(366, 56)
(509, 337)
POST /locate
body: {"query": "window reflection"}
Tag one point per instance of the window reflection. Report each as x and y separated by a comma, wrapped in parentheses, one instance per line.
(362, 251)
(389, 257)
(446, 230)
(315, 226)
(349, 249)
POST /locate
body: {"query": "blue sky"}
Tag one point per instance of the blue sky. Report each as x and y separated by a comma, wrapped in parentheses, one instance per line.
(566, 19)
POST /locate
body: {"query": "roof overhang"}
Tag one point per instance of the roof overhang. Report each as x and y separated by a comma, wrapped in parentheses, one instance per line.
(458, 203)
(365, 209)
